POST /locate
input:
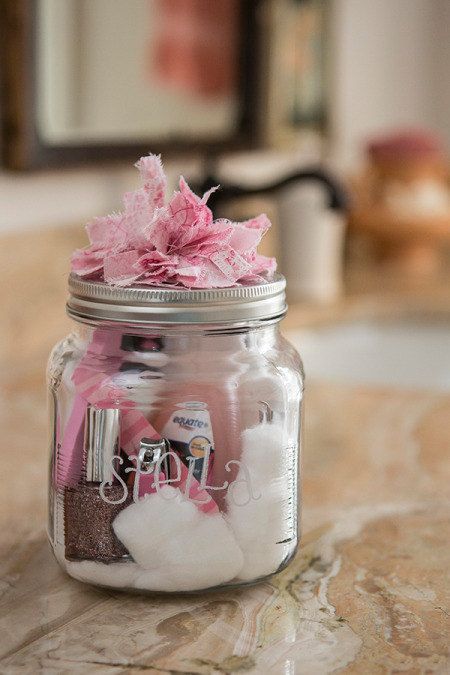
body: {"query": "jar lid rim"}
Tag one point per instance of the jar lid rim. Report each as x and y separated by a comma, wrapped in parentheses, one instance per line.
(162, 304)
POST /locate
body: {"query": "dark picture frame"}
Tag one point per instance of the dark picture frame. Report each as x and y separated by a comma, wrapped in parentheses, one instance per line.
(24, 148)
(297, 56)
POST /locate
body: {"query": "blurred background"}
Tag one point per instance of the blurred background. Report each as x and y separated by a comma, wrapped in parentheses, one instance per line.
(329, 115)
(333, 117)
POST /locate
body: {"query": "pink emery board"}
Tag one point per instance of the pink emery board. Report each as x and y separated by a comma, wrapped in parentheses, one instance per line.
(96, 388)
(70, 452)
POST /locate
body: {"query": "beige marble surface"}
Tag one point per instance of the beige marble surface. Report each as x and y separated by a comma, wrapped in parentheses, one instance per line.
(367, 593)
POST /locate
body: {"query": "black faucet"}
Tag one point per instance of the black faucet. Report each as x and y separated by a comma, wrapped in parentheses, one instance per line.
(337, 198)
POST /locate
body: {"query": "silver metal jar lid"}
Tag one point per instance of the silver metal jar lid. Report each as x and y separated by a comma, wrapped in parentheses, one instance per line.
(169, 305)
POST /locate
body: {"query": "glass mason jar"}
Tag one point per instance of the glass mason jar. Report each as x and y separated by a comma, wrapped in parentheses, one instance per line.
(175, 423)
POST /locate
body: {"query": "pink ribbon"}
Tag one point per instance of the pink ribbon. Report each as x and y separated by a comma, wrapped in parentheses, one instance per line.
(97, 388)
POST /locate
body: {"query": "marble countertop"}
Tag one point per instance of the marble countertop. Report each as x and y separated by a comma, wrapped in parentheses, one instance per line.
(368, 591)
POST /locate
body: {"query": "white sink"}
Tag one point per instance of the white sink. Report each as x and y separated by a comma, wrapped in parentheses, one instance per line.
(406, 353)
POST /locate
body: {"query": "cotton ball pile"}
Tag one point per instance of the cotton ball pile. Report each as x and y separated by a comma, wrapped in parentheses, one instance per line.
(115, 575)
(119, 575)
(177, 546)
(259, 520)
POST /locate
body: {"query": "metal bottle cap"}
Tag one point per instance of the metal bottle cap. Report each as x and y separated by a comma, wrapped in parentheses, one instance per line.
(102, 432)
(151, 451)
(172, 305)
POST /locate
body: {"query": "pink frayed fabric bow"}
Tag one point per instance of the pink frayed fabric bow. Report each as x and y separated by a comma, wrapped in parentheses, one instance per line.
(178, 243)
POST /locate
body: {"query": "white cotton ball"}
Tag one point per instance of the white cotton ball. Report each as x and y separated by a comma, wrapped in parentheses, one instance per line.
(261, 519)
(145, 526)
(262, 450)
(179, 547)
(115, 575)
(155, 580)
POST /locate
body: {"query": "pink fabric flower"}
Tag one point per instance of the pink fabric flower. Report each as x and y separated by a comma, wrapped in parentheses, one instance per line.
(156, 268)
(177, 243)
(119, 268)
(153, 178)
(118, 232)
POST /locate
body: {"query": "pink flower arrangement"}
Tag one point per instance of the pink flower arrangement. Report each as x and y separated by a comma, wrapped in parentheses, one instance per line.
(178, 243)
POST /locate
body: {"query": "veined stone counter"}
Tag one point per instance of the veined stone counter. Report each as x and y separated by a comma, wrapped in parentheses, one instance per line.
(368, 592)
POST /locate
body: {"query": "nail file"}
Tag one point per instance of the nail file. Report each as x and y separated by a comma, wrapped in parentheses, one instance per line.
(70, 452)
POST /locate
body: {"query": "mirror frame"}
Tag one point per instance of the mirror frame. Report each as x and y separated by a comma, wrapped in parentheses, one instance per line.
(22, 146)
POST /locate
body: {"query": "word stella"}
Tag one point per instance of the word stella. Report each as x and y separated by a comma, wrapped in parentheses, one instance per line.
(162, 477)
